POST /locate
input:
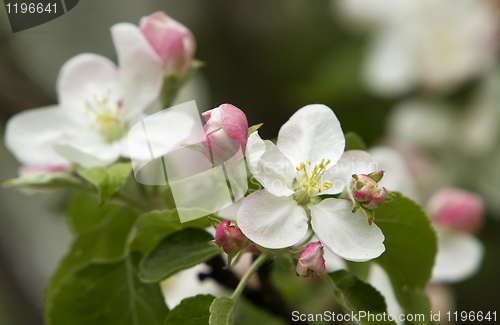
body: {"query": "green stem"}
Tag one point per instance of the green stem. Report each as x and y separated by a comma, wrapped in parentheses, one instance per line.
(239, 289)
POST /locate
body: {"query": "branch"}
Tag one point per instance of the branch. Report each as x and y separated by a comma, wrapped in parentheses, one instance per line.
(267, 296)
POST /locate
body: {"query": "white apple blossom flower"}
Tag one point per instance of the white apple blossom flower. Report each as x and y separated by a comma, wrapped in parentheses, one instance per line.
(98, 103)
(294, 172)
(431, 44)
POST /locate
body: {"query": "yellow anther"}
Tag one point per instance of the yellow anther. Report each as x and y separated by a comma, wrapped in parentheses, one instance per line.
(311, 180)
(107, 119)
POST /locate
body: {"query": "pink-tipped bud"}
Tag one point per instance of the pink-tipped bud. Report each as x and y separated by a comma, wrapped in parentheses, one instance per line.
(230, 238)
(226, 131)
(311, 260)
(365, 190)
(171, 40)
(30, 170)
(457, 209)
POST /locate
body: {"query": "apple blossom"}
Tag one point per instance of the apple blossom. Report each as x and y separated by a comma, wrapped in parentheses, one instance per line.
(230, 238)
(457, 215)
(308, 161)
(365, 190)
(225, 132)
(172, 41)
(311, 260)
(98, 102)
(457, 209)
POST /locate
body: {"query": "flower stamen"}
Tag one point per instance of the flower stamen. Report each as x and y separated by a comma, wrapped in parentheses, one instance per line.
(310, 183)
(107, 119)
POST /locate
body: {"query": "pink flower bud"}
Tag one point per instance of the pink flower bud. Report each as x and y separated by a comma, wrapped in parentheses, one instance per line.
(171, 40)
(311, 260)
(230, 238)
(226, 131)
(365, 190)
(30, 170)
(457, 209)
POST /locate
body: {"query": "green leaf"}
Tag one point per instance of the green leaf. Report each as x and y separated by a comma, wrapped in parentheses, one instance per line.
(191, 311)
(46, 181)
(104, 242)
(410, 250)
(85, 212)
(180, 250)
(153, 226)
(222, 311)
(357, 296)
(107, 180)
(107, 294)
(249, 314)
(354, 142)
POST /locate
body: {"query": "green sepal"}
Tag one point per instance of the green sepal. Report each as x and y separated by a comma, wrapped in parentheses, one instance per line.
(254, 128)
(108, 180)
(214, 222)
(370, 214)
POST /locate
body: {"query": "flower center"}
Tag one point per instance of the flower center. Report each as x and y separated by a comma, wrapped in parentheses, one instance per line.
(311, 183)
(107, 117)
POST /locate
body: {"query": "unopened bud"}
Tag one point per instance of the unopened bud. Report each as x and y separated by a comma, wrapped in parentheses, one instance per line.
(457, 209)
(365, 190)
(311, 260)
(172, 41)
(226, 131)
(230, 238)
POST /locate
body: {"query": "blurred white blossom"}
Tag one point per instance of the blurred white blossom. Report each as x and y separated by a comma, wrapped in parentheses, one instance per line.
(427, 44)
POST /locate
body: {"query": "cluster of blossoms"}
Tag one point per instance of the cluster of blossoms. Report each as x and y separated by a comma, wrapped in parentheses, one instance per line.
(99, 102)
(317, 201)
(312, 188)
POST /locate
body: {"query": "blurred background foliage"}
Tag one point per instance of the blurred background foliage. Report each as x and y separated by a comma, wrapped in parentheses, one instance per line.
(268, 58)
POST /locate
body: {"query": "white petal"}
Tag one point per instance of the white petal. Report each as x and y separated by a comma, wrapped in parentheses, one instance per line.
(397, 175)
(351, 162)
(30, 135)
(271, 221)
(84, 77)
(313, 133)
(459, 257)
(141, 68)
(333, 262)
(270, 166)
(423, 123)
(390, 68)
(89, 151)
(379, 279)
(345, 233)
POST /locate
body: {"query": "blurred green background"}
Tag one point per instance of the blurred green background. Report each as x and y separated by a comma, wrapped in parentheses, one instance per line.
(268, 58)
